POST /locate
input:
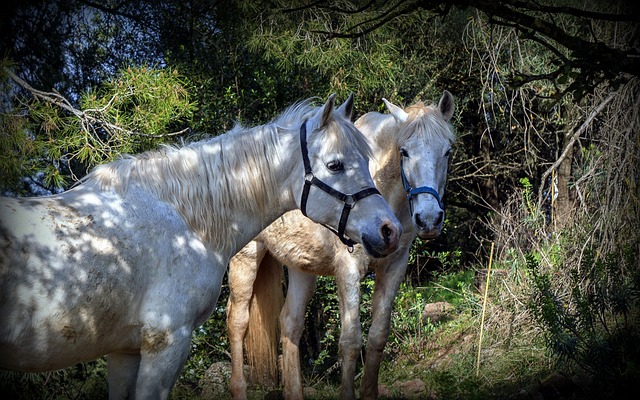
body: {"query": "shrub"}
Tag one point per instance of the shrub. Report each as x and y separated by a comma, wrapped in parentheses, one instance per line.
(594, 325)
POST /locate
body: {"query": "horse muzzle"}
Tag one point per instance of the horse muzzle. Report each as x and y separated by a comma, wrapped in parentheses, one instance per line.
(384, 242)
(428, 226)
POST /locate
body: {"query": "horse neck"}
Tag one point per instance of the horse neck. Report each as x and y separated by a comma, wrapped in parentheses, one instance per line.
(229, 188)
(256, 188)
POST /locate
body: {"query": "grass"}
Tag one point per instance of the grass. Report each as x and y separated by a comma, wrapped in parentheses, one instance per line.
(443, 354)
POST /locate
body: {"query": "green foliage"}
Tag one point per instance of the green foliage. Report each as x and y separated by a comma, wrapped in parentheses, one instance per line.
(133, 112)
(362, 65)
(402, 59)
(142, 100)
(595, 326)
(17, 150)
(455, 287)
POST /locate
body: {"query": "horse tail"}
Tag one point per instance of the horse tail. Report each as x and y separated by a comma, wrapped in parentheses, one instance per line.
(263, 331)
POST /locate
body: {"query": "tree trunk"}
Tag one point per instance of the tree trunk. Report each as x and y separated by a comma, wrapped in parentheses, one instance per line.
(562, 205)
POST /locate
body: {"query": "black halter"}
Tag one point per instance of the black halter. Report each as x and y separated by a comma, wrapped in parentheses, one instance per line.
(422, 189)
(349, 200)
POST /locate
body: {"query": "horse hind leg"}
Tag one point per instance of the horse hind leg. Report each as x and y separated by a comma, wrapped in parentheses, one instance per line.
(163, 354)
(243, 270)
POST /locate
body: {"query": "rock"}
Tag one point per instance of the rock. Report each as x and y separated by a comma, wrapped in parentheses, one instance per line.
(309, 392)
(413, 389)
(215, 382)
(383, 391)
(436, 311)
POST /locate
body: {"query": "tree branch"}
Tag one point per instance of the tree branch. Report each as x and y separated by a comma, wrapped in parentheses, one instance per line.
(85, 116)
(535, 6)
(377, 22)
(574, 137)
(329, 8)
(589, 55)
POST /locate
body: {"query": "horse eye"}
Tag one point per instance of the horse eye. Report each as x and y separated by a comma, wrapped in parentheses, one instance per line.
(335, 166)
(448, 153)
(404, 153)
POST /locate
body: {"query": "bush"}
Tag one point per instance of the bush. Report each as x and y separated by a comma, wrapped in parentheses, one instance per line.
(594, 326)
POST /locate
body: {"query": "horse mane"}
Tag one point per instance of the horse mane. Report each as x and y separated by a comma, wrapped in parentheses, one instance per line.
(426, 120)
(208, 180)
(423, 120)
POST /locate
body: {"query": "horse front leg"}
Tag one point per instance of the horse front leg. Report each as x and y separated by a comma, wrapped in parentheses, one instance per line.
(162, 357)
(387, 282)
(348, 281)
(242, 274)
(122, 373)
(299, 292)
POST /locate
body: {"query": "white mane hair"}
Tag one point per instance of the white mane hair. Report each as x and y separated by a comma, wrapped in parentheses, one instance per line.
(426, 121)
(210, 179)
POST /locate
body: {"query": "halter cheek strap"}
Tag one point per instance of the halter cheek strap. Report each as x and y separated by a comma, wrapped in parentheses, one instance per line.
(349, 200)
(414, 191)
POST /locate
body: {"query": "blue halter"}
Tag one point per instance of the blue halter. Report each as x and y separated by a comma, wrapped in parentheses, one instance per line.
(414, 191)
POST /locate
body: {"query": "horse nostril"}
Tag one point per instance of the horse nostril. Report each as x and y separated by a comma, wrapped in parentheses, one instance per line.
(418, 220)
(440, 218)
(387, 232)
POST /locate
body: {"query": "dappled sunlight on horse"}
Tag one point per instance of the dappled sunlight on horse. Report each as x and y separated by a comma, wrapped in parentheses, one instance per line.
(411, 148)
(129, 262)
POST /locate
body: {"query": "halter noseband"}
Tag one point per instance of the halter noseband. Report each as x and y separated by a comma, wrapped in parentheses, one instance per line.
(414, 191)
(349, 200)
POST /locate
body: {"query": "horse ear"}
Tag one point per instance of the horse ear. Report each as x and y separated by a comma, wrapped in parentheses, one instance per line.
(327, 110)
(346, 108)
(398, 113)
(446, 105)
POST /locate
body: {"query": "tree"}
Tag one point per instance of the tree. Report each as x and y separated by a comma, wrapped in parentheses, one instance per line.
(570, 32)
(49, 142)
(92, 58)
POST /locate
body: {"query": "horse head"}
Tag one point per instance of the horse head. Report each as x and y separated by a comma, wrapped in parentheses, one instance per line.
(424, 146)
(338, 189)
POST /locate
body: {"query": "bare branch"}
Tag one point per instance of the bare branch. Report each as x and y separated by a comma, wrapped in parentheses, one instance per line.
(535, 6)
(572, 140)
(329, 8)
(583, 51)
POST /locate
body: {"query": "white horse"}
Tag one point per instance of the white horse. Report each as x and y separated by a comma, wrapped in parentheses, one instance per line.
(129, 262)
(409, 166)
